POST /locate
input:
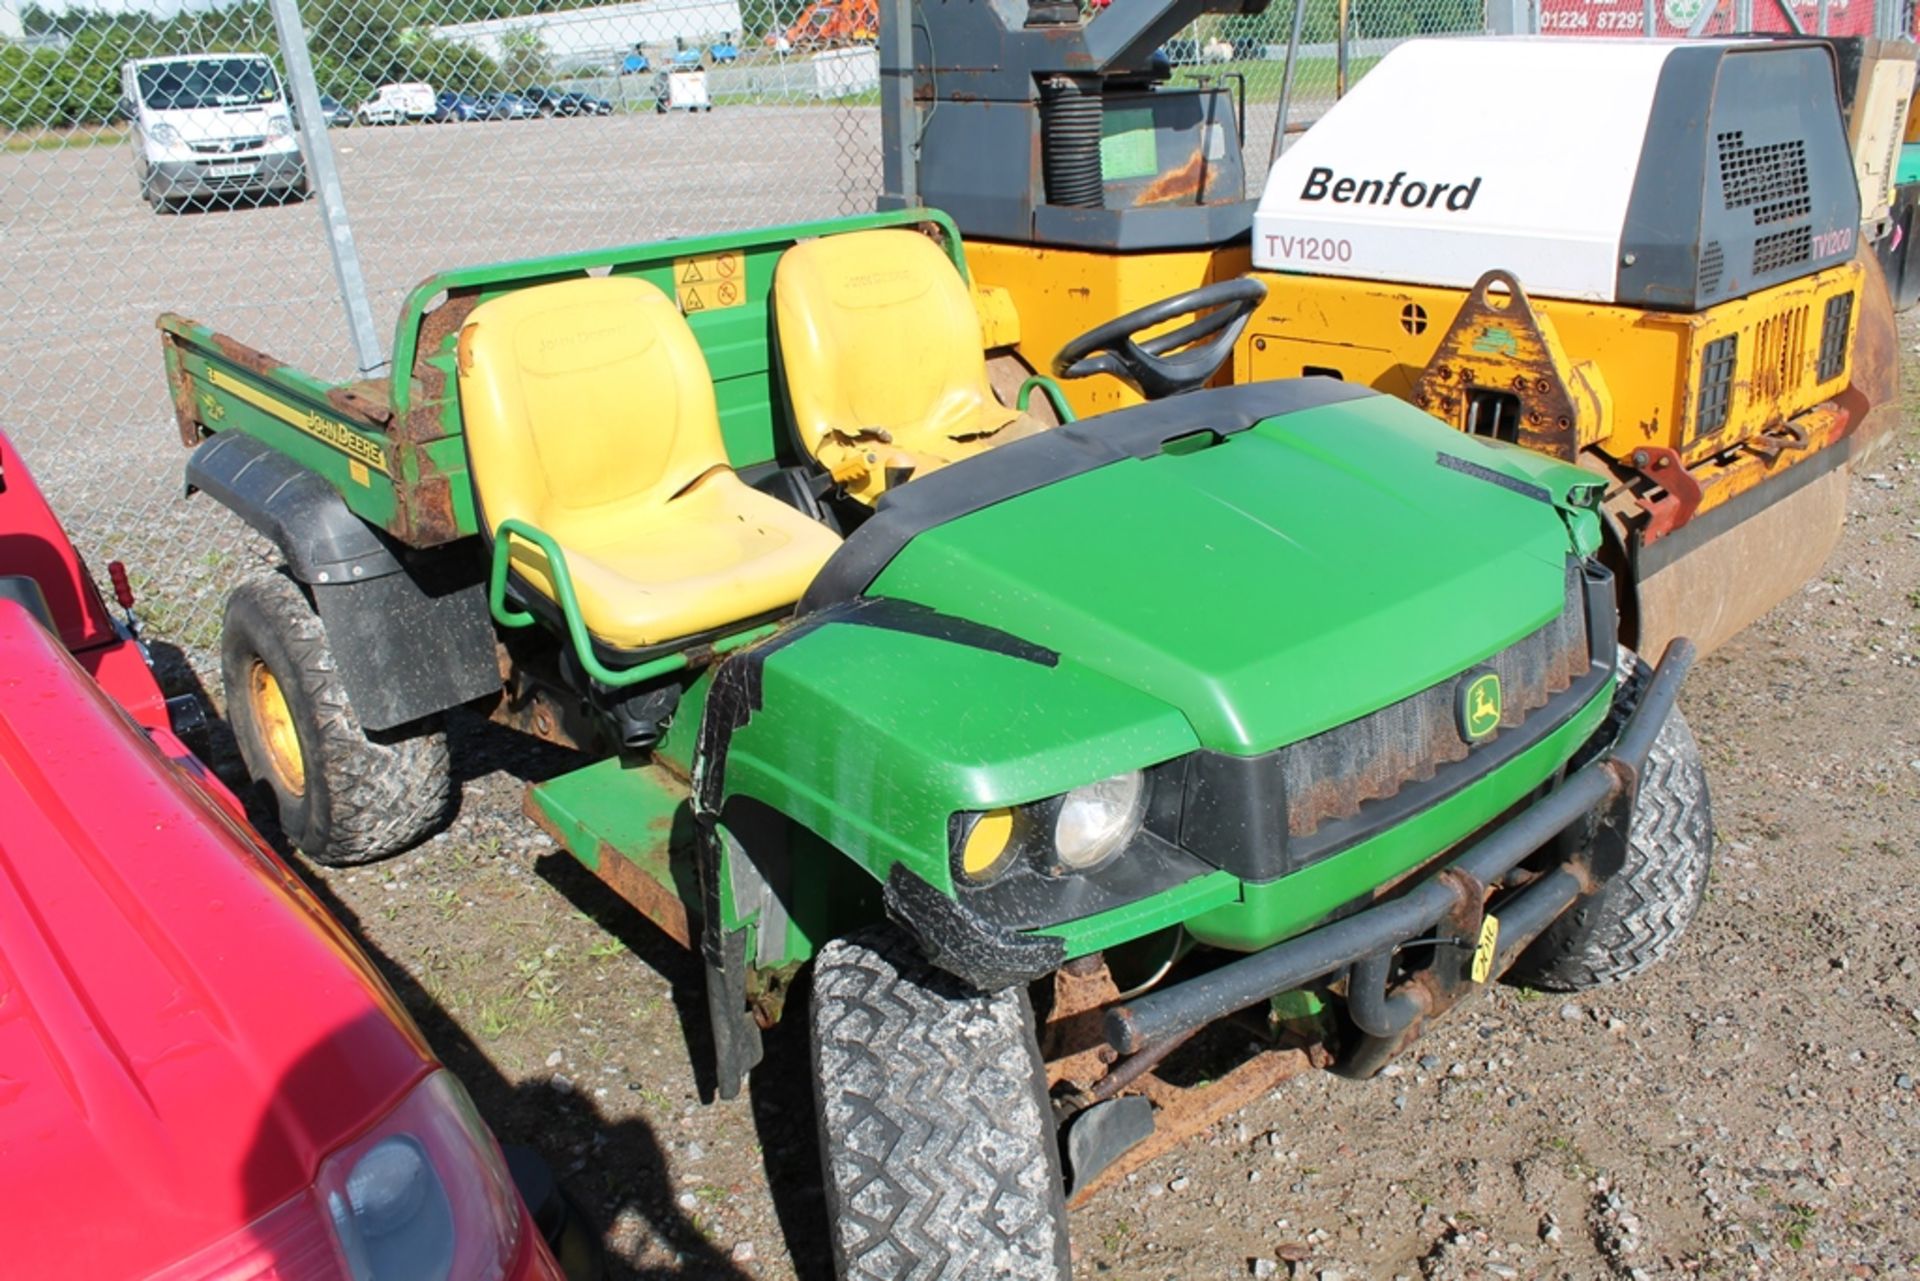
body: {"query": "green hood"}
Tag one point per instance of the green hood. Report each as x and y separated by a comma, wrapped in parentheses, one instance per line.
(1282, 581)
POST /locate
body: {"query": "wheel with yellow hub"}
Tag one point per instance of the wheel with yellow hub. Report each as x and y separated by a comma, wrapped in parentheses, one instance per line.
(1638, 916)
(343, 795)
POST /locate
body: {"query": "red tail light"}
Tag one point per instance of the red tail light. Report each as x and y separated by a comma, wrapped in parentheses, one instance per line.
(122, 589)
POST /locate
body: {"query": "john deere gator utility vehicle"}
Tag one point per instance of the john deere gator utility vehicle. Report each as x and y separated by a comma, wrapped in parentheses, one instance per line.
(1277, 712)
(1642, 257)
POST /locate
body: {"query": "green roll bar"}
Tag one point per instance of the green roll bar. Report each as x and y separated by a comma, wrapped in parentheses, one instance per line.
(507, 616)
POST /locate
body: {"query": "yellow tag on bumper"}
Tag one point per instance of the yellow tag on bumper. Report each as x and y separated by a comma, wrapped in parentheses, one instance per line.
(1484, 950)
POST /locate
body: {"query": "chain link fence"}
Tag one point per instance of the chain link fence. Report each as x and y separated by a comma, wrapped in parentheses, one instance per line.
(465, 131)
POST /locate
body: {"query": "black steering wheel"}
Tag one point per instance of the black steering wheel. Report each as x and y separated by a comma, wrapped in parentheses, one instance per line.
(1176, 361)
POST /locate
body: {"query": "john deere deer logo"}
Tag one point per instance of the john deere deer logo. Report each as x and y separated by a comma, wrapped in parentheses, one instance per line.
(1480, 706)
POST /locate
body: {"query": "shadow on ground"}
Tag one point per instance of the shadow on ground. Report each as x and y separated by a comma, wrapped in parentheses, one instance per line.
(606, 1166)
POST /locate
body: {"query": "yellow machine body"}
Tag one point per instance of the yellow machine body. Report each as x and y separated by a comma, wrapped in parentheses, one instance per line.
(1616, 379)
(1036, 298)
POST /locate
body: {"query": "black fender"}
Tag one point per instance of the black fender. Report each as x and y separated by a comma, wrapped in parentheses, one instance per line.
(410, 631)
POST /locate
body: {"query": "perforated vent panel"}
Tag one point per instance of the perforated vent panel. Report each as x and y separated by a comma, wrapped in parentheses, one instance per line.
(1754, 129)
(1713, 260)
(1782, 210)
(1782, 249)
(1769, 177)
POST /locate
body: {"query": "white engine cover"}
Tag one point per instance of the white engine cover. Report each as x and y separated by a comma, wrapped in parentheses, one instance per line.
(1453, 156)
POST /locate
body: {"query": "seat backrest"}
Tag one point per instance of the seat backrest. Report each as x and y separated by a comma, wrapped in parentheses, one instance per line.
(582, 396)
(877, 330)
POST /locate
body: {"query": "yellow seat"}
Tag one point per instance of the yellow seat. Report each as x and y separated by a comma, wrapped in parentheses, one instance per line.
(589, 415)
(884, 361)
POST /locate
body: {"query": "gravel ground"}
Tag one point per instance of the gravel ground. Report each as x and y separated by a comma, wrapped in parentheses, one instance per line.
(1748, 1109)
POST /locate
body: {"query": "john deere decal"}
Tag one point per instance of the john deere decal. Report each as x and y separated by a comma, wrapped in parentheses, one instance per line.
(1479, 706)
(355, 446)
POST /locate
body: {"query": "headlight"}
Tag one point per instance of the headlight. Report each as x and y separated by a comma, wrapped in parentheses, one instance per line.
(422, 1195)
(1098, 819)
(1076, 832)
(279, 126)
(425, 1194)
(164, 135)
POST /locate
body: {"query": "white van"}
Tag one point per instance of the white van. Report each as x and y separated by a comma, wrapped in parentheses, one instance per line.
(210, 125)
(398, 105)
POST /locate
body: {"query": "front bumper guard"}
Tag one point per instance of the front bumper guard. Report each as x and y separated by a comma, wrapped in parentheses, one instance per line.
(190, 179)
(1364, 943)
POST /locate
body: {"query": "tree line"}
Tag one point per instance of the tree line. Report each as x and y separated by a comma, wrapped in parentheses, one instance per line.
(70, 75)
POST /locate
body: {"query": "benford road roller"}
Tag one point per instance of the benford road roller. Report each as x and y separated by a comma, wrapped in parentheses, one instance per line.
(1639, 256)
(1664, 291)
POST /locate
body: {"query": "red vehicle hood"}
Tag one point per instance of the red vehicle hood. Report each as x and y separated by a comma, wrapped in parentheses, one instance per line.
(184, 1032)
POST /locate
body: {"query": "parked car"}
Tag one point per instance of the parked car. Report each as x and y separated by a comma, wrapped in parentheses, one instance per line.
(398, 104)
(189, 1037)
(332, 114)
(722, 53)
(453, 108)
(558, 102)
(335, 112)
(687, 60)
(682, 89)
(210, 127)
(506, 106)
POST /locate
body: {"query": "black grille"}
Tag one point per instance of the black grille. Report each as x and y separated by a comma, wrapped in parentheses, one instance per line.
(1331, 775)
(1770, 177)
(1716, 384)
(1834, 334)
(228, 146)
(1782, 249)
(1713, 260)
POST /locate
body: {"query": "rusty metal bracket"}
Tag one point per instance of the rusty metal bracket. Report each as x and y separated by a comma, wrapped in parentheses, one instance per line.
(1180, 1113)
(1679, 498)
(1778, 439)
(186, 409)
(1499, 347)
(1071, 1042)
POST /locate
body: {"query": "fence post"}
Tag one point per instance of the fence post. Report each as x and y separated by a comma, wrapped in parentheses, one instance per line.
(1512, 18)
(1701, 19)
(1286, 81)
(899, 143)
(370, 355)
